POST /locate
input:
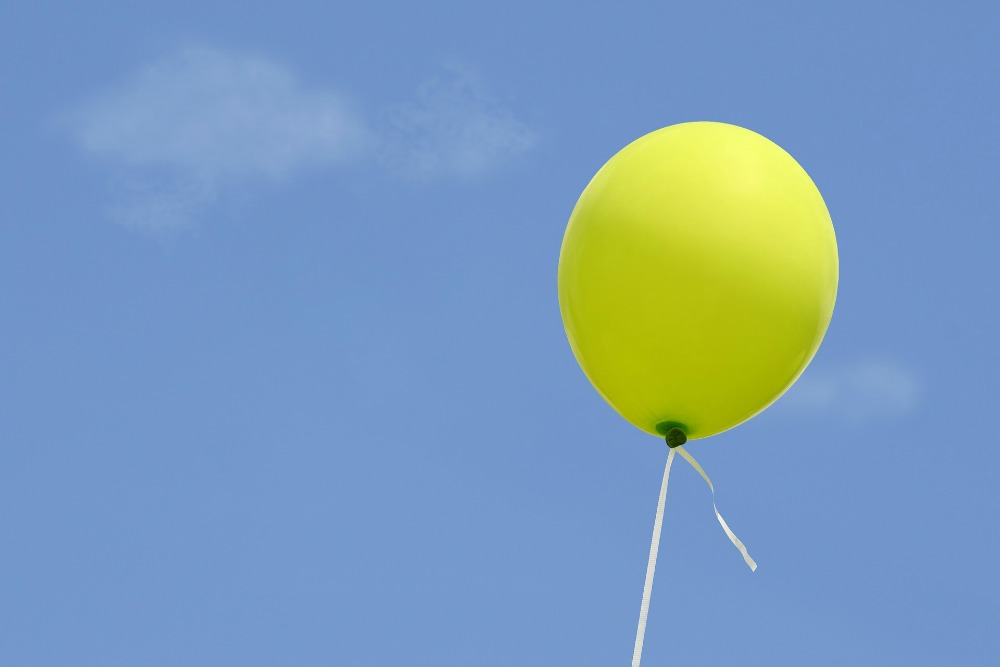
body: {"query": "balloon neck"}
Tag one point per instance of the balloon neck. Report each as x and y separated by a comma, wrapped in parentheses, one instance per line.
(673, 432)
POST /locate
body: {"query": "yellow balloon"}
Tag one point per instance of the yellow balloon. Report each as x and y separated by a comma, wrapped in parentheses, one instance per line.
(697, 277)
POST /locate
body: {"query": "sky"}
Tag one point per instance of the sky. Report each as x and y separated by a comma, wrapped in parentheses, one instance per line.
(284, 380)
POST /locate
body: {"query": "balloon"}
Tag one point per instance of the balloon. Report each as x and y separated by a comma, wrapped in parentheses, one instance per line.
(697, 277)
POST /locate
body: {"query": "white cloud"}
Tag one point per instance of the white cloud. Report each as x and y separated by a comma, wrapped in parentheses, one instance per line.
(198, 121)
(858, 391)
(216, 113)
(454, 129)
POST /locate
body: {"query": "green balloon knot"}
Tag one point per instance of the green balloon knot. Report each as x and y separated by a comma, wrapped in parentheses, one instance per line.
(673, 433)
(676, 437)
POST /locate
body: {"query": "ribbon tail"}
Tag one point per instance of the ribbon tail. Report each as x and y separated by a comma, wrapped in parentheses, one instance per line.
(732, 536)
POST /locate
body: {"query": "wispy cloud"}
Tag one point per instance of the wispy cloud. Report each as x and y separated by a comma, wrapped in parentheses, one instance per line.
(862, 390)
(454, 129)
(215, 113)
(160, 201)
(199, 121)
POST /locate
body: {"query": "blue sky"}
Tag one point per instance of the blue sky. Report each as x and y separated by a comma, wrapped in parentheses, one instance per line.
(284, 380)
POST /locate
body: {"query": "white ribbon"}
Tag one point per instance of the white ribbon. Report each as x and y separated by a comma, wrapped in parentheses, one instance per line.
(654, 547)
(647, 589)
(732, 537)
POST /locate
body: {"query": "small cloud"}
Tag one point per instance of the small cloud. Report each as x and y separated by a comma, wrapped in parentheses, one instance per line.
(859, 391)
(217, 114)
(453, 129)
(198, 121)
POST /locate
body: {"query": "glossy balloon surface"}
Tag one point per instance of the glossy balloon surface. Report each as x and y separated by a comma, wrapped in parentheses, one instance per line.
(697, 277)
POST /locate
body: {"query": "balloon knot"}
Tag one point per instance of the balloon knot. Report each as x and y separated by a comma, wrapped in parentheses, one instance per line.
(675, 437)
(675, 433)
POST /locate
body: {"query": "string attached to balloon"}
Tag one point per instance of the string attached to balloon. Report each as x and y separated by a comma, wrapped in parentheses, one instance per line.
(675, 438)
(654, 547)
(697, 278)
